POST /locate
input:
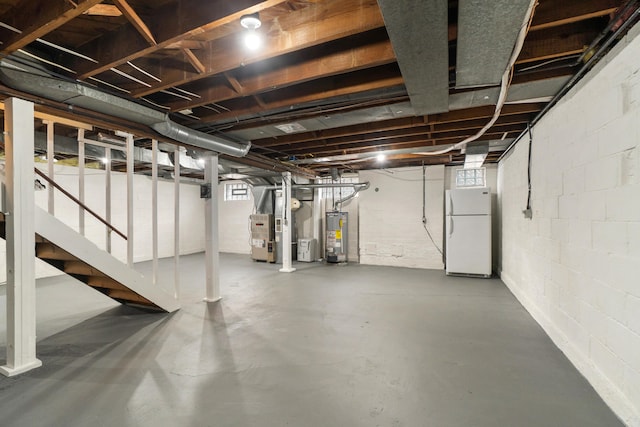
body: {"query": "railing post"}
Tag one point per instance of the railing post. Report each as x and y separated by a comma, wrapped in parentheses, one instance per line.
(107, 167)
(154, 206)
(81, 160)
(20, 233)
(130, 167)
(50, 158)
(176, 222)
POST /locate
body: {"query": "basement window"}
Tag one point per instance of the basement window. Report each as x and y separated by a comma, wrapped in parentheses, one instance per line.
(471, 177)
(236, 191)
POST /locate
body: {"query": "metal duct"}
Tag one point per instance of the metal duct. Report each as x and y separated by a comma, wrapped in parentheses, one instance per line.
(486, 36)
(418, 30)
(36, 82)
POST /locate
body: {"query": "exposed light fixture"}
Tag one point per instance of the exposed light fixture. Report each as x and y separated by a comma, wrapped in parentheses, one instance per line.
(252, 38)
(104, 160)
(381, 157)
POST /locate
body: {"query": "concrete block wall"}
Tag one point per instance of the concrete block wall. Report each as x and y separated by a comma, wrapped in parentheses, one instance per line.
(391, 230)
(234, 223)
(576, 265)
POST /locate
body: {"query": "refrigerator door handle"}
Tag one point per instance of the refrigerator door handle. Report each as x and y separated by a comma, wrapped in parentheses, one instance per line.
(450, 204)
(450, 225)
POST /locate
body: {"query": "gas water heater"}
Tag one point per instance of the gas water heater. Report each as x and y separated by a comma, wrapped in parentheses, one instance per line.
(336, 244)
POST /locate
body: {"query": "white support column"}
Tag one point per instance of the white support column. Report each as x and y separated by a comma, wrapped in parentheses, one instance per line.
(286, 224)
(21, 282)
(154, 207)
(130, 167)
(212, 246)
(107, 216)
(50, 171)
(81, 161)
(318, 215)
(176, 223)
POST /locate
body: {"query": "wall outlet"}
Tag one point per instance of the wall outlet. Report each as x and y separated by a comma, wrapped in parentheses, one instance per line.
(528, 213)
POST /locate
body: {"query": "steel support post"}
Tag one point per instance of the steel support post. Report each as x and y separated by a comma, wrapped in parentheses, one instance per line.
(286, 224)
(212, 247)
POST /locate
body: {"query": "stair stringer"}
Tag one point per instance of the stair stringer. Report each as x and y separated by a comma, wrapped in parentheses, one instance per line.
(69, 240)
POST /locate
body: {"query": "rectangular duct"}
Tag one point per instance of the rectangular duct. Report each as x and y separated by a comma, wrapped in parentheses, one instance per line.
(418, 30)
(487, 33)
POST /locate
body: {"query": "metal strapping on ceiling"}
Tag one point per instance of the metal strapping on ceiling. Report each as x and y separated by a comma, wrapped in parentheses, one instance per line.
(418, 30)
(486, 36)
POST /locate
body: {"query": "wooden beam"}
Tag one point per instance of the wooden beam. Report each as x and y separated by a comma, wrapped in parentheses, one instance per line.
(172, 23)
(103, 10)
(36, 18)
(557, 42)
(385, 134)
(295, 31)
(335, 63)
(135, 20)
(321, 90)
(552, 13)
(57, 119)
(235, 85)
(194, 61)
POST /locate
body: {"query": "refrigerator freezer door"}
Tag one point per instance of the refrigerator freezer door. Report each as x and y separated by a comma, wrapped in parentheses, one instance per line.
(469, 245)
(468, 201)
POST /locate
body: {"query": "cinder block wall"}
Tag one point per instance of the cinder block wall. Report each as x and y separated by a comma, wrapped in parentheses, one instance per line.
(576, 265)
(391, 231)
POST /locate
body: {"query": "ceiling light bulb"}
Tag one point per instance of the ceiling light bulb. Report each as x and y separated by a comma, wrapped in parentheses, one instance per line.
(381, 157)
(104, 160)
(252, 40)
(251, 22)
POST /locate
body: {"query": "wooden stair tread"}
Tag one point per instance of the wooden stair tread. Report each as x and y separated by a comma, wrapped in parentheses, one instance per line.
(105, 282)
(51, 251)
(82, 268)
(128, 295)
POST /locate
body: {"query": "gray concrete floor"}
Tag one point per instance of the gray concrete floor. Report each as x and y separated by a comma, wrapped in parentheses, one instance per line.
(325, 346)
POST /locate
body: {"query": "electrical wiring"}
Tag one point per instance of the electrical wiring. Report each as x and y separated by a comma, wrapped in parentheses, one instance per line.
(424, 208)
(504, 86)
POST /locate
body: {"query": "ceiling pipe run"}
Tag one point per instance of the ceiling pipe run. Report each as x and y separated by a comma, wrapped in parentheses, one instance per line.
(37, 82)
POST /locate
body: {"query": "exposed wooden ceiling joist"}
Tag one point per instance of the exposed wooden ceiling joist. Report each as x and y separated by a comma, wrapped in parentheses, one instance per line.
(295, 31)
(36, 18)
(171, 24)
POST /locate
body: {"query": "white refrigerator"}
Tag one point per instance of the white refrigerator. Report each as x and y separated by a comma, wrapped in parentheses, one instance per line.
(468, 231)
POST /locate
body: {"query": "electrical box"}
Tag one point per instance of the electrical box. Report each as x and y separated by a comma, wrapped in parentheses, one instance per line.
(263, 247)
(306, 250)
(336, 244)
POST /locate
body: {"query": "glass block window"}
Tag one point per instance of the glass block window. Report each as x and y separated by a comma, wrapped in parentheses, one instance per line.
(236, 191)
(471, 177)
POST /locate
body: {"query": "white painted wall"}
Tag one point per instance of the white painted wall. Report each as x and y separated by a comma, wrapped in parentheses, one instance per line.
(234, 222)
(576, 265)
(191, 215)
(391, 230)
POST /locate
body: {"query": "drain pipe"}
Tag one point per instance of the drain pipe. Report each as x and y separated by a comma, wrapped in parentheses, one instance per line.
(571, 83)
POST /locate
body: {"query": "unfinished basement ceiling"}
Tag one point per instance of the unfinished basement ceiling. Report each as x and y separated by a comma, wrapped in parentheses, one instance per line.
(333, 80)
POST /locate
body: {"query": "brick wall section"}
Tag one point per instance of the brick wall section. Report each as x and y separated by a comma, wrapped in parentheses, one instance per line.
(576, 265)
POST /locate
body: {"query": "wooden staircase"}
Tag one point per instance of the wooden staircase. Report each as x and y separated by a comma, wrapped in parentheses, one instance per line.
(65, 249)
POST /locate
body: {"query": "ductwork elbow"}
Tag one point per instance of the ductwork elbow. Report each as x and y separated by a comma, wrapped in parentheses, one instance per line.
(199, 139)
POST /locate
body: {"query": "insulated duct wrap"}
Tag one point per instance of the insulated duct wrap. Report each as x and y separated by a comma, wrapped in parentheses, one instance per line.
(36, 82)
